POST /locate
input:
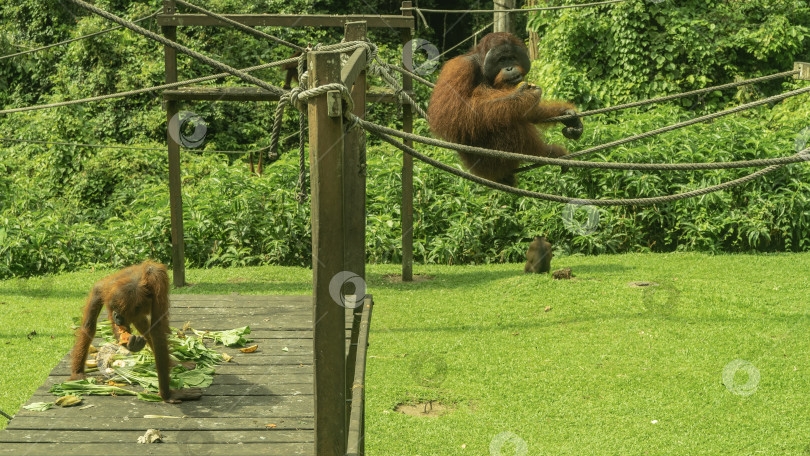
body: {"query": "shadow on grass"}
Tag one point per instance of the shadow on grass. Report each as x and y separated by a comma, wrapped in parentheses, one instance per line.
(602, 269)
(601, 318)
(258, 288)
(461, 279)
(23, 289)
(467, 277)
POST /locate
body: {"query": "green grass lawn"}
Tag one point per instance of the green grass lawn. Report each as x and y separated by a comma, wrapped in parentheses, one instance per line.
(608, 369)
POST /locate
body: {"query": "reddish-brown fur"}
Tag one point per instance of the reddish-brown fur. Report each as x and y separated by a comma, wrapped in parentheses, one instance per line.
(538, 256)
(137, 295)
(467, 110)
(292, 71)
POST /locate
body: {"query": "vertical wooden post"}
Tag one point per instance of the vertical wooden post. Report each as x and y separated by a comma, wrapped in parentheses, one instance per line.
(407, 167)
(175, 184)
(503, 21)
(534, 37)
(354, 191)
(328, 258)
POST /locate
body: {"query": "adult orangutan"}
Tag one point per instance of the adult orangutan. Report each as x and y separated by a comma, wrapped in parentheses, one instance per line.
(137, 295)
(538, 257)
(481, 99)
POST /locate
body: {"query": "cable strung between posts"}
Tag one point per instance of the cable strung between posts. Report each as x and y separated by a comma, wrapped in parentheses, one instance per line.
(466, 39)
(413, 75)
(167, 42)
(380, 68)
(301, 95)
(519, 10)
(240, 26)
(540, 161)
(116, 146)
(677, 125)
(565, 160)
(673, 97)
(144, 90)
(578, 201)
(101, 32)
(627, 105)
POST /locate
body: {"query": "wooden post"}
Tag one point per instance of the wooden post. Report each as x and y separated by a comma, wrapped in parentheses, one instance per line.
(503, 21)
(407, 167)
(175, 184)
(328, 257)
(534, 37)
(354, 191)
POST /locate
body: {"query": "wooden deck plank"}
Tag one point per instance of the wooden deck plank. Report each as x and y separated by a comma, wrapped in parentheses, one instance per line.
(182, 449)
(43, 425)
(208, 407)
(218, 389)
(273, 385)
(295, 378)
(230, 437)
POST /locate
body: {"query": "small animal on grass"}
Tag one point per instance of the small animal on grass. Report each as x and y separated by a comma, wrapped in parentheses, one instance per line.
(139, 296)
(538, 257)
(564, 273)
(482, 99)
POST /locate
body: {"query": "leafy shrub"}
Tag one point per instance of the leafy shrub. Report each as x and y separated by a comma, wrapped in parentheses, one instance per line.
(623, 52)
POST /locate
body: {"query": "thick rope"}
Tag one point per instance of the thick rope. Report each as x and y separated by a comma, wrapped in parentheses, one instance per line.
(144, 90)
(546, 8)
(381, 69)
(240, 26)
(674, 96)
(61, 43)
(279, 117)
(180, 48)
(679, 125)
(413, 75)
(540, 161)
(115, 146)
(579, 201)
(301, 185)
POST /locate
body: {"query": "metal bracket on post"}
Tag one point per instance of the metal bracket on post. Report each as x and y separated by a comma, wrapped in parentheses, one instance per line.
(804, 70)
(334, 103)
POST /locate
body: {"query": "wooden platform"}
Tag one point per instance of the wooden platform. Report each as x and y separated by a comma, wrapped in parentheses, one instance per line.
(259, 403)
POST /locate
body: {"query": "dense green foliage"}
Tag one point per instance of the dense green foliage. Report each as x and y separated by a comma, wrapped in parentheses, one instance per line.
(639, 49)
(64, 207)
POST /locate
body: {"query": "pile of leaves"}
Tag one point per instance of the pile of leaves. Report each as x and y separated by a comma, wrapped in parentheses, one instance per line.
(126, 368)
